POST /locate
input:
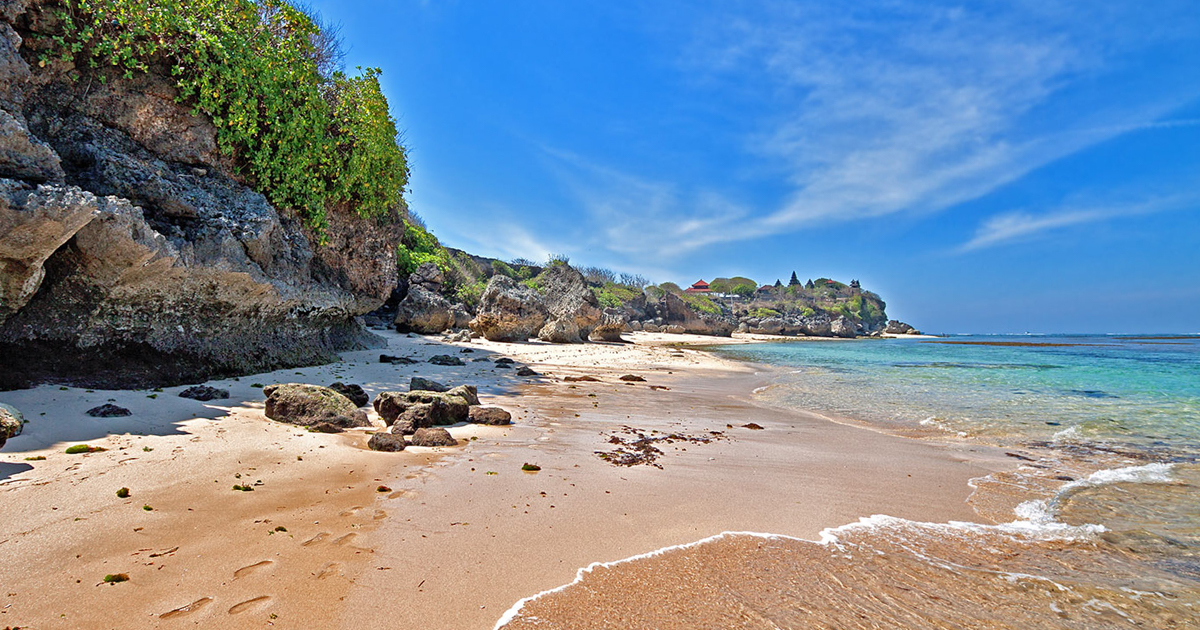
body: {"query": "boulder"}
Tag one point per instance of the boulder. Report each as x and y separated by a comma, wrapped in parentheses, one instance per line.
(204, 393)
(423, 311)
(572, 308)
(444, 408)
(432, 437)
(387, 442)
(508, 311)
(843, 327)
(767, 326)
(634, 326)
(674, 329)
(490, 415)
(468, 393)
(897, 327)
(306, 405)
(418, 416)
(817, 325)
(108, 410)
(633, 378)
(610, 327)
(23, 155)
(428, 276)
(462, 319)
(525, 370)
(418, 383)
(384, 358)
(651, 327)
(354, 392)
(445, 359)
(560, 330)
(11, 422)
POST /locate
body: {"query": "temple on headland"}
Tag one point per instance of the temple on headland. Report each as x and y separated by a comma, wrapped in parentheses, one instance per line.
(699, 287)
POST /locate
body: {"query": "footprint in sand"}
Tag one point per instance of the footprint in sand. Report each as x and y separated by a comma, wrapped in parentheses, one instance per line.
(315, 539)
(351, 511)
(247, 570)
(342, 540)
(248, 604)
(187, 610)
(333, 568)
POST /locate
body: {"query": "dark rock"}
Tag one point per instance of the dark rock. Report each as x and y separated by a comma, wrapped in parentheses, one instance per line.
(420, 383)
(433, 437)
(526, 371)
(383, 358)
(354, 392)
(445, 359)
(503, 360)
(423, 311)
(443, 408)
(324, 427)
(490, 415)
(417, 416)
(504, 366)
(108, 410)
(481, 360)
(466, 351)
(305, 405)
(896, 327)
(387, 442)
(11, 422)
(508, 311)
(581, 379)
(753, 426)
(204, 393)
(633, 378)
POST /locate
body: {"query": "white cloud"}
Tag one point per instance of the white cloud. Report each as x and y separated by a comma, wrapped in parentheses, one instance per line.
(1020, 226)
(891, 107)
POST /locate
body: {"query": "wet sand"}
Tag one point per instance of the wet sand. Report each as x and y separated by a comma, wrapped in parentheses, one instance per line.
(450, 545)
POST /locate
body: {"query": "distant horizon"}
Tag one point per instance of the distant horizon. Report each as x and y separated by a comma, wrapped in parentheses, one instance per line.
(1001, 166)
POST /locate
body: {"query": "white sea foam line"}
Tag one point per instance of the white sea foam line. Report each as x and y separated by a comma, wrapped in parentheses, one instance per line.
(1040, 525)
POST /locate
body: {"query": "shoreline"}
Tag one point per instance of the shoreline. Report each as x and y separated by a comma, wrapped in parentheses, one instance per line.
(448, 542)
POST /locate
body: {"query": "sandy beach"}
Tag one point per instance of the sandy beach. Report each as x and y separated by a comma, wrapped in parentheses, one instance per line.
(457, 535)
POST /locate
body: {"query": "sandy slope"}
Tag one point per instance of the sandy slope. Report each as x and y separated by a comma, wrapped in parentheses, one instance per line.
(450, 545)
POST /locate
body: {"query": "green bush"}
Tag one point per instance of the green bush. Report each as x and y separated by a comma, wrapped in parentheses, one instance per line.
(763, 313)
(418, 247)
(499, 267)
(469, 294)
(701, 303)
(253, 67)
(615, 295)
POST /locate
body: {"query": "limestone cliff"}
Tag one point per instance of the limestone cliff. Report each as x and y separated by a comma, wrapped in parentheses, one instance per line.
(132, 253)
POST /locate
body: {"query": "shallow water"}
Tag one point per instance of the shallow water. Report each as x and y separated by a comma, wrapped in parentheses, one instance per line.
(1098, 528)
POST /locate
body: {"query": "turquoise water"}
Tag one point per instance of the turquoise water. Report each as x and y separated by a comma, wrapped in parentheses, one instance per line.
(1095, 525)
(1142, 391)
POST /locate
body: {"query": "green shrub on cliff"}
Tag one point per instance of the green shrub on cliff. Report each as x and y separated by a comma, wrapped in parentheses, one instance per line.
(418, 247)
(308, 139)
(615, 295)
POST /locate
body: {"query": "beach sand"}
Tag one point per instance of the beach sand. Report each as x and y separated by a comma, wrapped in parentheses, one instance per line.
(462, 532)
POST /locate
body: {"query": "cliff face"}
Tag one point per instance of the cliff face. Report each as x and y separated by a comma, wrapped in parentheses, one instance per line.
(132, 254)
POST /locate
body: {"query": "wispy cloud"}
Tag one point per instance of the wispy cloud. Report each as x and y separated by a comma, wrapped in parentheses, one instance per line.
(891, 107)
(1019, 226)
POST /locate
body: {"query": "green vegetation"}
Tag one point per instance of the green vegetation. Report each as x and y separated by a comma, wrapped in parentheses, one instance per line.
(123, 493)
(279, 528)
(614, 295)
(36, 458)
(262, 71)
(736, 285)
(418, 247)
(147, 508)
(701, 303)
(116, 578)
(244, 488)
(763, 313)
(469, 294)
(530, 467)
(83, 448)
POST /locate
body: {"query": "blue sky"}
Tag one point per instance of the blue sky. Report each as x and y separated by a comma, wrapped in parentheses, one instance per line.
(986, 167)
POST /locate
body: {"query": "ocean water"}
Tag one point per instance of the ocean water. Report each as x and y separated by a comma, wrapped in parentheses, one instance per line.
(1097, 527)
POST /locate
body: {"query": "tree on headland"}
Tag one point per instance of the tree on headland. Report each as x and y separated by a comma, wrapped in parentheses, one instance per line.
(794, 281)
(778, 284)
(810, 284)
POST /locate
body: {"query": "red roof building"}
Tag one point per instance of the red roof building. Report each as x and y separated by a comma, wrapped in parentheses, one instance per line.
(699, 287)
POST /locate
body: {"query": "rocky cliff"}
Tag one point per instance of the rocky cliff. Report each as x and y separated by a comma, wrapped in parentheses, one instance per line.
(134, 253)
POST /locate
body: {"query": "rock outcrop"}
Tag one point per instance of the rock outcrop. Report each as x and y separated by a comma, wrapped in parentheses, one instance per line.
(490, 415)
(508, 311)
(312, 405)
(352, 391)
(421, 408)
(896, 327)
(132, 253)
(424, 312)
(204, 393)
(842, 327)
(386, 442)
(572, 308)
